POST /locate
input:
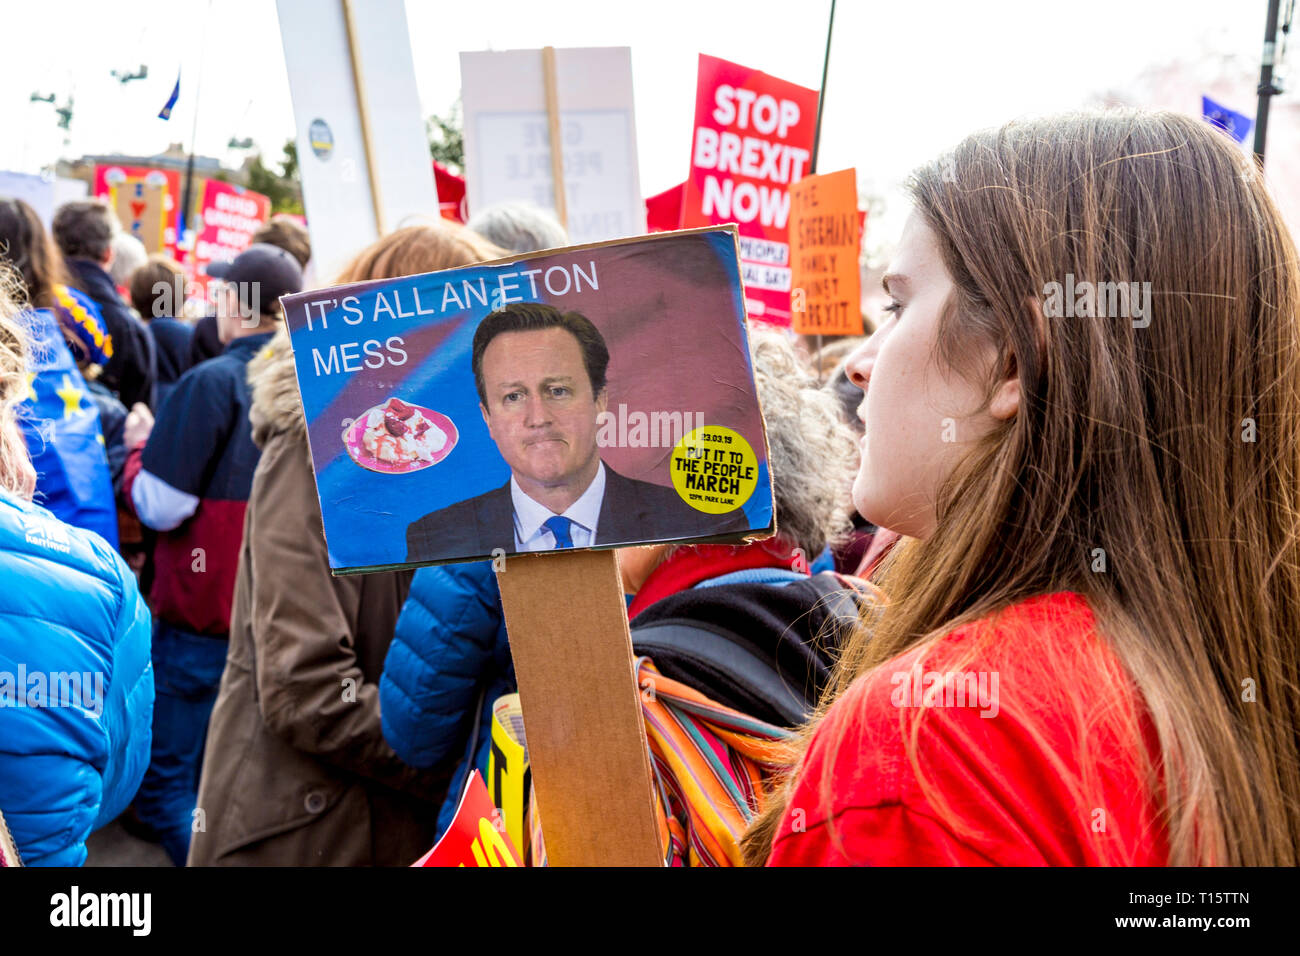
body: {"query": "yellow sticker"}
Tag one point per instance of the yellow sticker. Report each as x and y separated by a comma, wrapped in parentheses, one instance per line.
(714, 469)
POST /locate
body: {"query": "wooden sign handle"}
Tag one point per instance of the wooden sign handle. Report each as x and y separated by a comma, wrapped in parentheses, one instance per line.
(550, 88)
(567, 621)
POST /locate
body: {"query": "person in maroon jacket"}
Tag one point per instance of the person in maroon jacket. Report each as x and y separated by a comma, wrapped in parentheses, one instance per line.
(190, 482)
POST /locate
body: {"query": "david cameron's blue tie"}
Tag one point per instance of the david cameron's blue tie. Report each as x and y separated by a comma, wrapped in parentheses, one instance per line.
(561, 527)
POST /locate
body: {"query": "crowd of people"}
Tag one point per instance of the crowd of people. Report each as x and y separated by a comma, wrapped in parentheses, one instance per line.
(1033, 597)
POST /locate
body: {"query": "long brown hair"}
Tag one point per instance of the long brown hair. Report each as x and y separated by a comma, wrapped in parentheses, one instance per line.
(1152, 468)
(31, 252)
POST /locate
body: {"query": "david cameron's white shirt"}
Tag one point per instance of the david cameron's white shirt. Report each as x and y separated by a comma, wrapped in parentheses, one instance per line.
(530, 516)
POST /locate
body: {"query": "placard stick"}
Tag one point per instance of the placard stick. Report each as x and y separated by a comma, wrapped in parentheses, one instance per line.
(363, 113)
(557, 148)
(567, 622)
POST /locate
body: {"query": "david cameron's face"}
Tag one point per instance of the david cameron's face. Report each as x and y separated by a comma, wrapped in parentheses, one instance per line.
(540, 408)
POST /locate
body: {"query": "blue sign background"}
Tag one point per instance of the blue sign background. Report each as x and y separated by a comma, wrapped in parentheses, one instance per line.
(366, 513)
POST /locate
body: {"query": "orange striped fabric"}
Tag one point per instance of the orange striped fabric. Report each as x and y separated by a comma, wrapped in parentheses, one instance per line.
(710, 766)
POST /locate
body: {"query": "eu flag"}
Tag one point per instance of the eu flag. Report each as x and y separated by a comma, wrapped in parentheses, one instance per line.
(60, 421)
(1237, 125)
(166, 111)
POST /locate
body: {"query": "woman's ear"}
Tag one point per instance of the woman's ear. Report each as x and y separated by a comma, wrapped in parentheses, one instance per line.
(1005, 401)
(1006, 398)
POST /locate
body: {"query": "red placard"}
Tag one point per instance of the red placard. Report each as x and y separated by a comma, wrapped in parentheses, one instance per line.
(475, 837)
(753, 138)
(230, 215)
(109, 178)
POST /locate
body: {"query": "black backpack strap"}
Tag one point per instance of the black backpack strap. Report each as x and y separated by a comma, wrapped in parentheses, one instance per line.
(719, 665)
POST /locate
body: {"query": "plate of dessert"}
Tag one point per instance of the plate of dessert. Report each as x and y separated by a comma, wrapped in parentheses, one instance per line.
(397, 437)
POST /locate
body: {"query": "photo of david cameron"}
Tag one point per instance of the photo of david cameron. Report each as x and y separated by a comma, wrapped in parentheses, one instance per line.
(540, 375)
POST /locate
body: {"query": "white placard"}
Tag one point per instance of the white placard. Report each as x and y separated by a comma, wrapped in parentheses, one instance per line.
(507, 141)
(36, 191)
(331, 152)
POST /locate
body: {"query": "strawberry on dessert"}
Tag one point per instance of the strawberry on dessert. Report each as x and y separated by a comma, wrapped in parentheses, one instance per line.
(397, 433)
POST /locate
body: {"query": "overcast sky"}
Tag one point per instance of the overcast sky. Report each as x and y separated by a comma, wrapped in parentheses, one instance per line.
(906, 78)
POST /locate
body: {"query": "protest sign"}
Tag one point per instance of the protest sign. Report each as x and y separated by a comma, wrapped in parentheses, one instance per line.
(508, 143)
(362, 151)
(474, 837)
(140, 209)
(44, 193)
(641, 401)
(824, 241)
(229, 215)
(508, 776)
(753, 138)
(159, 190)
(36, 191)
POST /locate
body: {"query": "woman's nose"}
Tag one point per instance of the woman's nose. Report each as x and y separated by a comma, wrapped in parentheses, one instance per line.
(860, 362)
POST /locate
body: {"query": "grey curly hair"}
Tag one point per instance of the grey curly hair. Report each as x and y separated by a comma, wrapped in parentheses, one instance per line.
(813, 453)
(13, 381)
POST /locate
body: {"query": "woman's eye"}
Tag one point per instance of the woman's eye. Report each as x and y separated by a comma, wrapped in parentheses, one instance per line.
(894, 306)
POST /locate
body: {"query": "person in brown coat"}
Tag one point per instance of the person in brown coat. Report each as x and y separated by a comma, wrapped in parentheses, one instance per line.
(296, 770)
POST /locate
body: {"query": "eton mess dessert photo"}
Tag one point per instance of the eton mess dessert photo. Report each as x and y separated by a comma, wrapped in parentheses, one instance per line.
(399, 437)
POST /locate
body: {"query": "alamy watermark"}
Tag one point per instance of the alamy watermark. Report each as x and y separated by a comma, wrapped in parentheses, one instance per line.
(974, 689)
(173, 298)
(1098, 300)
(82, 690)
(636, 429)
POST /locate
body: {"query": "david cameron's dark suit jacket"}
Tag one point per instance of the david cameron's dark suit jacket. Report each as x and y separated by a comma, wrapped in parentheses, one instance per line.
(632, 511)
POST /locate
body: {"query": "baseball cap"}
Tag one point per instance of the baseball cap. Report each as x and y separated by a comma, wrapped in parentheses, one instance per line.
(263, 271)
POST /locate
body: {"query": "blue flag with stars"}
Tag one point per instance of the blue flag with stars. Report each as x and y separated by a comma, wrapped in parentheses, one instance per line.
(60, 423)
(166, 112)
(1237, 125)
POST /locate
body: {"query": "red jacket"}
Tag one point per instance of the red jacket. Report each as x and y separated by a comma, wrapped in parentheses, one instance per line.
(1040, 766)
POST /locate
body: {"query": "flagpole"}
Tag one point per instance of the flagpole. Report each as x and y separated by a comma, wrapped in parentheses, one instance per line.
(817, 133)
(187, 194)
(1266, 87)
(821, 94)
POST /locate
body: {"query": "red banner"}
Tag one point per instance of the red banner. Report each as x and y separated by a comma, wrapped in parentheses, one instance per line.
(753, 138)
(230, 215)
(476, 836)
(108, 179)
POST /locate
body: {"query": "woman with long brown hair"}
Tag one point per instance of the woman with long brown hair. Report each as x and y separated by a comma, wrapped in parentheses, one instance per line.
(1084, 413)
(296, 770)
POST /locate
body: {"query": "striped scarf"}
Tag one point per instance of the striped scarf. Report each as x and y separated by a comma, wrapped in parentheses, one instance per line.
(710, 766)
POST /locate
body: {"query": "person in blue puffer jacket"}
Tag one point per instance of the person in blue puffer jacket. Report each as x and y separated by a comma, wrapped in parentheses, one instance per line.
(448, 663)
(76, 682)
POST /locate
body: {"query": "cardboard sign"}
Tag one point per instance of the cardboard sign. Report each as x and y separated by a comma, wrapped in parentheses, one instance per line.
(507, 137)
(587, 744)
(163, 186)
(230, 215)
(753, 139)
(824, 243)
(362, 150)
(473, 839)
(139, 208)
(414, 467)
